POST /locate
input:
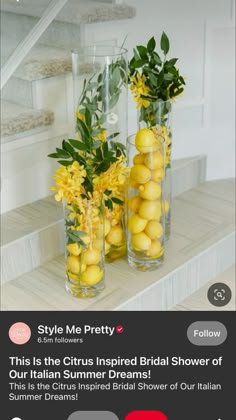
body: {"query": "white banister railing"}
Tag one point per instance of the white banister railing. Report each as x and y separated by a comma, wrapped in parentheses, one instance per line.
(30, 40)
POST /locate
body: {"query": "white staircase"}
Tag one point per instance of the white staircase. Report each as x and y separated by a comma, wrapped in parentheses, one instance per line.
(37, 101)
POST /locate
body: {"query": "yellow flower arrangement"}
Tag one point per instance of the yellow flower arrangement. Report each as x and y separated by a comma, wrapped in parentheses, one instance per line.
(93, 167)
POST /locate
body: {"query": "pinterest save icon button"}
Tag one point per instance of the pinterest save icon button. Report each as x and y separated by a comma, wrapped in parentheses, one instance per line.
(146, 415)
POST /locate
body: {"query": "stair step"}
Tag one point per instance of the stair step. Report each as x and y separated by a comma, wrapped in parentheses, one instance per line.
(75, 11)
(36, 231)
(17, 119)
(201, 247)
(198, 301)
(43, 68)
(44, 61)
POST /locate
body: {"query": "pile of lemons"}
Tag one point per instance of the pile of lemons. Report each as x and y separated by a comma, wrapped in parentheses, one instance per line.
(145, 199)
(84, 265)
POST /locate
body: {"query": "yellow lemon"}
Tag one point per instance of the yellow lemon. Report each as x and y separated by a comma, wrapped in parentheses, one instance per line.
(107, 226)
(145, 140)
(74, 249)
(154, 250)
(73, 276)
(157, 175)
(92, 275)
(115, 236)
(154, 229)
(132, 183)
(92, 256)
(140, 174)
(136, 224)
(134, 203)
(138, 159)
(74, 265)
(154, 160)
(150, 191)
(98, 243)
(82, 268)
(165, 206)
(141, 242)
(150, 210)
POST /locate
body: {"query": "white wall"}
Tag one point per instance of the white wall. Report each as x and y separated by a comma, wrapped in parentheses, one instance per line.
(202, 35)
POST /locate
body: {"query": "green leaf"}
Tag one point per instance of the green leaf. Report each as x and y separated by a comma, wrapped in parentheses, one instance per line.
(117, 200)
(142, 51)
(157, 58)
(107, 192)
(153, 79)
(78, 144)
(114, 99)
(83, 132)
(138, 63)
(65, 162)
(88, 117)
(168, 76)
(165, 45)
(116, 76)
(79, 233)
(112, 136)
(96, 144)
(75, 238)
(66, 146)
(151, 45)
(62, 153)
(172, 61)
(91, 86)
(54, 156)
(136, 55)
(108, 204)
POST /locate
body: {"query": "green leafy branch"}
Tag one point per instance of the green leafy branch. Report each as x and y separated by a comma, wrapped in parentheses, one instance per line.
(161, 77)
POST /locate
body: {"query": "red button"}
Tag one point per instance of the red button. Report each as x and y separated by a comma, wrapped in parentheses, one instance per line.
(146, 415)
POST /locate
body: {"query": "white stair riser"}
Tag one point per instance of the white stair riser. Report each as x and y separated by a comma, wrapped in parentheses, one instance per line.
(30, 243)
(25, 254)
(18, 91)
(188, 175)
(27, 173)
(53, 93)
(186, 279)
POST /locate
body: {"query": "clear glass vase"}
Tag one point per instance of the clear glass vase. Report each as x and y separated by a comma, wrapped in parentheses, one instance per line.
(158, 117)
(84, 248)
(145, 207)
(100, 95)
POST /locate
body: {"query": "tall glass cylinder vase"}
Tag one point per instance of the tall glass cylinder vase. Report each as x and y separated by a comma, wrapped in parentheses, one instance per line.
(85, 248)
(158, 117)
(100, 95)
(145, 215)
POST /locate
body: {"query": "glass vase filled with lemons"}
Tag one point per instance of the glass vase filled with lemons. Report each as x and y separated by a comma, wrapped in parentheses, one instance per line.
(155, 82)
(145, 206)
(158, 117)
(85, 248)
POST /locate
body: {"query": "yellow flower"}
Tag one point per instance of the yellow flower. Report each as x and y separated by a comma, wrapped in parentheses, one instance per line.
(69, 182)
(102, 135)
(139, 89)
(80, 116)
